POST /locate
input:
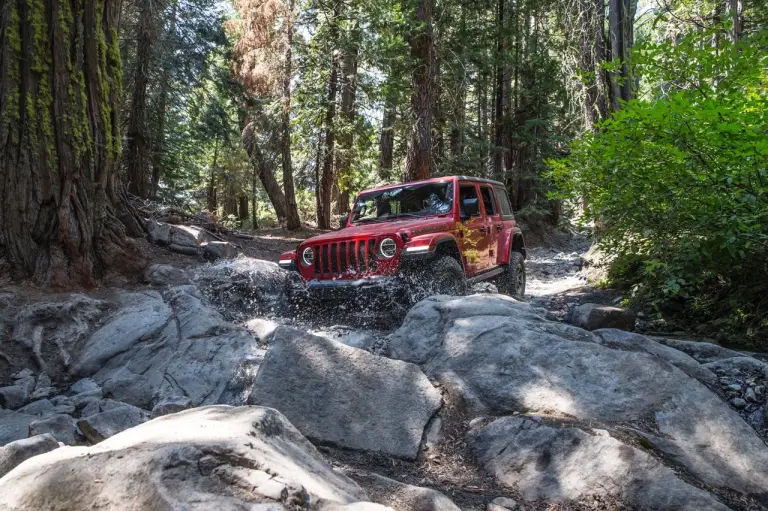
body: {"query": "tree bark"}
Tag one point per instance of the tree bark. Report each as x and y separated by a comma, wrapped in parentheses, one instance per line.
(591, 54)
(158, 147)
(420, 163)
(292, 220)
(64, 217)
(737, 25)
(499, 96)
(266, 176)
(348, 113)
(325, 190)
(387, 140)
(211, 199)
(242, 208)
(138, 157)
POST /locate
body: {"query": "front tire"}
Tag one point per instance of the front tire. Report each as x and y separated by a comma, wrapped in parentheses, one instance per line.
(512, 282)
(445, 276)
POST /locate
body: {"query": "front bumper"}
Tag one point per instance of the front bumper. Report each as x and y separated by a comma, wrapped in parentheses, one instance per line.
(376, 288)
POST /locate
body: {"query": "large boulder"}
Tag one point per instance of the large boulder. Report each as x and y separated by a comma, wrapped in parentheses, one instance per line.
(404, 497)
(216, 457)
(497, 355)
(14, 425)
(188, 236)
(567, 463)
(140, 347)
(100, 426)
(14, 453)
(346, 396)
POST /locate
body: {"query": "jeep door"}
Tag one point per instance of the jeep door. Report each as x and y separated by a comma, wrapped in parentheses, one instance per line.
(493, 221)
(473, 229)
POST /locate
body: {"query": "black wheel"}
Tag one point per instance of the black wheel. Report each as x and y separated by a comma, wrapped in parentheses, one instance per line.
(512, 282)
(445, 276)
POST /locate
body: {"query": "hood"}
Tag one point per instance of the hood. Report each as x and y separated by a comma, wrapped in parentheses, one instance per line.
(433, 224)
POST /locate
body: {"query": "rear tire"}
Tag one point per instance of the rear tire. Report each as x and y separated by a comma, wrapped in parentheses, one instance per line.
(512, 282)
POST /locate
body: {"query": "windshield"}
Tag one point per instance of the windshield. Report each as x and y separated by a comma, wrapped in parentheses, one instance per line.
(414, 201)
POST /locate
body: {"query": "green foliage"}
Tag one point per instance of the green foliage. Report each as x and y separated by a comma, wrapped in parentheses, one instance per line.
(678, 178)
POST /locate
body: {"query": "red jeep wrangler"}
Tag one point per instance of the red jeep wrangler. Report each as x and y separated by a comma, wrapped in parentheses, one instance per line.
(434, 236)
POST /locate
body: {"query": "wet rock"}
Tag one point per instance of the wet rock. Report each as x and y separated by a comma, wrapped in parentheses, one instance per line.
(158, 232)
(405, 497)
(171, 404)
(84, 385)
(165, 275)
(15, 453)
(41, 407)
(347, 397)
(14, 397)
(61, 426)
(592, 316)
(23, 374)
(215, 250)
(557, 464)
(215, 457)
(14, 425)
(101, 426)
(494, 356)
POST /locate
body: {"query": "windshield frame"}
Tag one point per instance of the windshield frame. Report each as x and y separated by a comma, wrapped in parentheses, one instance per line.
(449, 183)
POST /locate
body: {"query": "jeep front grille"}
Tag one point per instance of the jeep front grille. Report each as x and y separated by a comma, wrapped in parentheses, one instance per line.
(356, 257)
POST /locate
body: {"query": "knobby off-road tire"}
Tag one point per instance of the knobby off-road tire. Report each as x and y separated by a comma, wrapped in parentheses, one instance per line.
(512, 281)
(444, 276)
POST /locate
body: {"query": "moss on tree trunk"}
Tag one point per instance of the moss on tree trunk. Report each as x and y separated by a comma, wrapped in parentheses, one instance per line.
(63, 219)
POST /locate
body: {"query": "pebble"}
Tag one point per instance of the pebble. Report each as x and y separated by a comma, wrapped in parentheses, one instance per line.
(750, 396)
(735, 387)
(739, 403)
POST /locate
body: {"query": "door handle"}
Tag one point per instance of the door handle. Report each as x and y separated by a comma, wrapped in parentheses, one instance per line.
(499, 227)
(483, 230)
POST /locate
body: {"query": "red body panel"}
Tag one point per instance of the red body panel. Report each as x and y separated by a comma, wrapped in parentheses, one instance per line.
(352, 252)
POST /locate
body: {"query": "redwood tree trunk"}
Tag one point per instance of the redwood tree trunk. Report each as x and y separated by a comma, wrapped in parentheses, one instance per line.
(158, 146)
(420, 163)
(346, 138)
(292, 220)
(138, 157)
(325, 190)
(64, 216)
(266, 176)
(499, 124)
(387, 141)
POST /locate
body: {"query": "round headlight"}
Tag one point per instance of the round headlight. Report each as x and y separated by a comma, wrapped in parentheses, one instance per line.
(308, 256)
(387, 248)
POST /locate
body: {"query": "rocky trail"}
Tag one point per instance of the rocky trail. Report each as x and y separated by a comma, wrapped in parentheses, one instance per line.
(204, 389)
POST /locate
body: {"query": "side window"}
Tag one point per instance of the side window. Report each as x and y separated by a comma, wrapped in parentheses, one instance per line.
(489, 202)
(506, 210)
(468, 192)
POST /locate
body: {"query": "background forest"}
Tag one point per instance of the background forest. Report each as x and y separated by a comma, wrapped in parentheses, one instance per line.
(646, 118)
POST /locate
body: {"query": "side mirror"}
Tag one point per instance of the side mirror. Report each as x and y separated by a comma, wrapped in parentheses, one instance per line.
(343, 221)
(470, 208)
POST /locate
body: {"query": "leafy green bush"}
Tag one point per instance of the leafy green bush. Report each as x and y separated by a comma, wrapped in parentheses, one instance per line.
(678, 178)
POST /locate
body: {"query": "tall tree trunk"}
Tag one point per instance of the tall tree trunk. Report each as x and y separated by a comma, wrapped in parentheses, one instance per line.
(158, 147)
(420, 163)
(211, 202)
(737, 25)
(387, 140)
(266, 175)
(591, 54)
(242, 208)
(254, 202)
(64, 216)
(499, 99)
(620, 19)
(326, 176)
(348, 113)
(138, 157)
(292, 220)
